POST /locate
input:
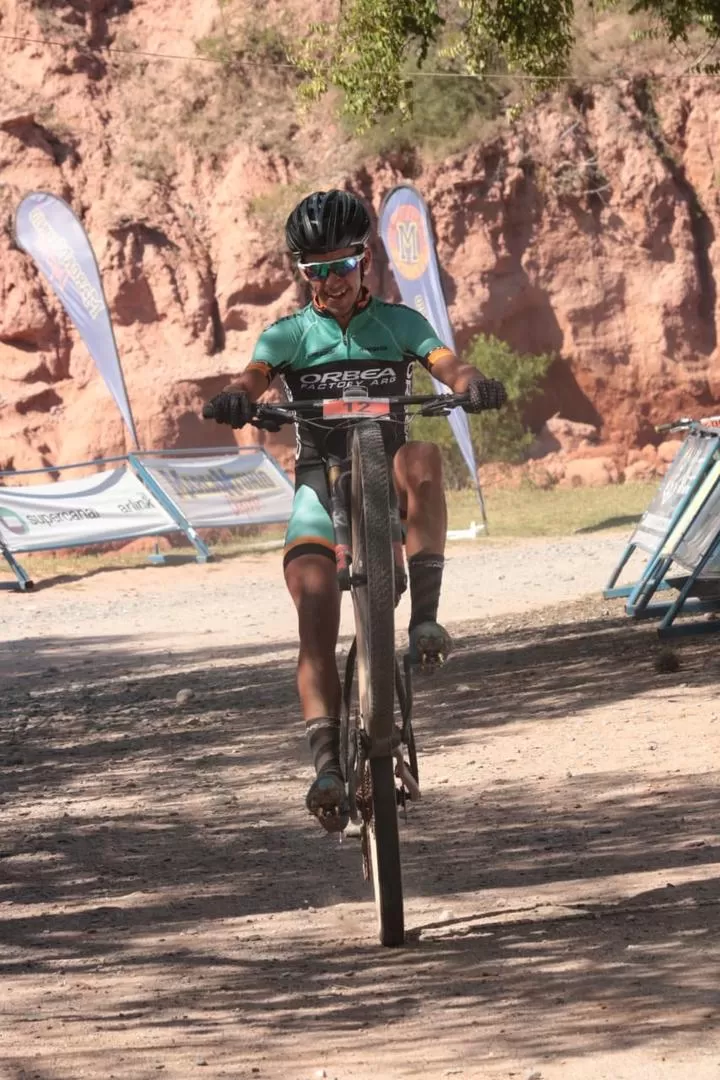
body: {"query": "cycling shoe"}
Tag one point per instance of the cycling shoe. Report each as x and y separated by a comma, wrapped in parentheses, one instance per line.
(430, 646)
(327, 801)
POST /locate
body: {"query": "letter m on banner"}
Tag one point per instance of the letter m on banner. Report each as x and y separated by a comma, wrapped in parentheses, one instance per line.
(408, 242)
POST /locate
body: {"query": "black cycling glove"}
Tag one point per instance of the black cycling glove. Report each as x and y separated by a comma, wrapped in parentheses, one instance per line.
(485, 394)
(233, 408)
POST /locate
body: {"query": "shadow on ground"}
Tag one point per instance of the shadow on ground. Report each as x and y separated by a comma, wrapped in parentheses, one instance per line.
(131, 824)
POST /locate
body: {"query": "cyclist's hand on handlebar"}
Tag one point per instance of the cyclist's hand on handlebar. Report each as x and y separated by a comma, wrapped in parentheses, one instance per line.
(485, 394)
(232, 407)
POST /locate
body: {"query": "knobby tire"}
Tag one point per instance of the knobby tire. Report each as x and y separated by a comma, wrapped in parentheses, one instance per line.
(374, 604)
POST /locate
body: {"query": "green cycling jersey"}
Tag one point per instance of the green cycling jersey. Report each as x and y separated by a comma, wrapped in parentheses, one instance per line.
(316, 358)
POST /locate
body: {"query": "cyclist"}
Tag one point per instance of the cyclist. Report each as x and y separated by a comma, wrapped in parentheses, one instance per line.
(343, 337)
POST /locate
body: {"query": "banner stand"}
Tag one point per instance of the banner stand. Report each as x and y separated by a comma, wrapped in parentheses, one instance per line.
(691, 541)
(218, 487)
(49, 231)
(612, 591)
(156, 557)
(406, 231)
(686, 474)
(638, 604)
(23, 579)
(695, 607)
(148, 494)
(202, 551)
(109, 504)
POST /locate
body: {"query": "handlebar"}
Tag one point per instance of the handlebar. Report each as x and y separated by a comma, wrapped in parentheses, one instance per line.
(430, 405)
(684, 423)
(674, 425)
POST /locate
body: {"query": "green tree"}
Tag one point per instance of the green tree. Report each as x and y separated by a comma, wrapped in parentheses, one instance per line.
(373, 49)
(496, 436)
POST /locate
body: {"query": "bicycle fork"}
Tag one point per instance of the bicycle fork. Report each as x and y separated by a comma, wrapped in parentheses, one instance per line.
(355, 746)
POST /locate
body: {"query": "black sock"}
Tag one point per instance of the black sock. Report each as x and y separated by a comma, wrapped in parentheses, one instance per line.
(425, 572)
(324, 737)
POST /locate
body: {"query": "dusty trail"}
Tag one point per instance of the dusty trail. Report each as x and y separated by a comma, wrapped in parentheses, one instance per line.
(167, 909)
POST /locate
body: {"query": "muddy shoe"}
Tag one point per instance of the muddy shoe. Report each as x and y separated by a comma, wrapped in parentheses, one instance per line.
(327, 801)
(430, 646)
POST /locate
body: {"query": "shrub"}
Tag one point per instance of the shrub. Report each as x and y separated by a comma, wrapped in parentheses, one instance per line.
(496, 436)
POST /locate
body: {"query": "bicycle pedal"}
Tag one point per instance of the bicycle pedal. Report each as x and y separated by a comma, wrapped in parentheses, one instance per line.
(409, 790)
(333, 820)
(430, 662)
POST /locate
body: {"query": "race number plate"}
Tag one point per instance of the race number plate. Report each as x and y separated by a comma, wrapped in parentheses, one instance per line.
(356, 407)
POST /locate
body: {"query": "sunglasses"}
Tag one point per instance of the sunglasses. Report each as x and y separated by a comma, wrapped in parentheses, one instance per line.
(320, 271)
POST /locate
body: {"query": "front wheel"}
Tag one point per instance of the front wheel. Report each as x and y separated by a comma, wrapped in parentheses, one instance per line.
(373, 572)
(384, 852)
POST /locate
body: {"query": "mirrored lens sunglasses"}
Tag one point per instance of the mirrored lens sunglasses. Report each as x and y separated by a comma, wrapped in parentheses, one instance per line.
(320, 271)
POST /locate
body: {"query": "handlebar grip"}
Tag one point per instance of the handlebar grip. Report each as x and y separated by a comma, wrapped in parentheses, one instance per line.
(208, 411)
(674, 425)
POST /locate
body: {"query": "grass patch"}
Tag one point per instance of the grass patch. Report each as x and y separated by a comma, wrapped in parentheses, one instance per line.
(447, 115)
(273, 207)
(495, 436)
(529, 512)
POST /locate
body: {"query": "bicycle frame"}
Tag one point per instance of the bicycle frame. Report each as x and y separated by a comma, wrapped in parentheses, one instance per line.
(365, 515)
(338, 476)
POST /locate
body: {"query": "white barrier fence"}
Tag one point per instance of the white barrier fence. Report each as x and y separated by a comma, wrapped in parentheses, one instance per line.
(245, 488)
(151, 494)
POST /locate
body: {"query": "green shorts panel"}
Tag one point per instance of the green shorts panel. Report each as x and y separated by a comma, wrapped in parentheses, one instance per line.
(309, 527)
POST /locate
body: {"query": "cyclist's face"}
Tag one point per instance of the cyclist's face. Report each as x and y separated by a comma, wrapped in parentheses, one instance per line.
(338, 295)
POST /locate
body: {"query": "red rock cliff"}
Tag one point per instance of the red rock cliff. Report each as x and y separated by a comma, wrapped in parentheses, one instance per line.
(587, 229)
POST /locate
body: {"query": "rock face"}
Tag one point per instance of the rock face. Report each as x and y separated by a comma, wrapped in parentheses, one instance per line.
(586, 230)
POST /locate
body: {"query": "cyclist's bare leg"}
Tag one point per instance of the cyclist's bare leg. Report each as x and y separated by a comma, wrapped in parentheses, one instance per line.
(421, 493)
(312, 583)
(418, 476)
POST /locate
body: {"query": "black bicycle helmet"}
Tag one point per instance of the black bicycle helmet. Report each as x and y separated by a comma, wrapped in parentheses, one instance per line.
(327, 221)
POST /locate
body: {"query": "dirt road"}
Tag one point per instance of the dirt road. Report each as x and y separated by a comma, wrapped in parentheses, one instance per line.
(167, 909)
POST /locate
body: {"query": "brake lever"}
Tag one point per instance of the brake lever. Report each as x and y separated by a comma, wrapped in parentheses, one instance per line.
(267, 418)
(266, 424)
(435, 408)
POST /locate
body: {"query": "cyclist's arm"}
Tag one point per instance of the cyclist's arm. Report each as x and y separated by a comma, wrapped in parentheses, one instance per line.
(253, 381)
(451, 371)
(269, 355)
(435, 356)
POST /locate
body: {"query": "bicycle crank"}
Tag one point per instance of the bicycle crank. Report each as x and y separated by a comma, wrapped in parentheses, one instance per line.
(402, 771)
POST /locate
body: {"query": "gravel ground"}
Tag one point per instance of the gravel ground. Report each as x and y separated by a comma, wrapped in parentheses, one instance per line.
(168, 909)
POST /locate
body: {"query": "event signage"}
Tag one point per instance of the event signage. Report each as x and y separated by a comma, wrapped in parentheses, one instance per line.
(676, 489)
(48, 230)
(681, 528)
(686, 466)
(695, 534)
(406, 231)
(238, 488)
(112, 505)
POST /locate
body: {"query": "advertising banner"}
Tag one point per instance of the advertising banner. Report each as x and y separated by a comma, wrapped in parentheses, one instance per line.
(687, 465)
(237, 488)
(112, 505)
(48, 230)
(406, 232)
(697, 529)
